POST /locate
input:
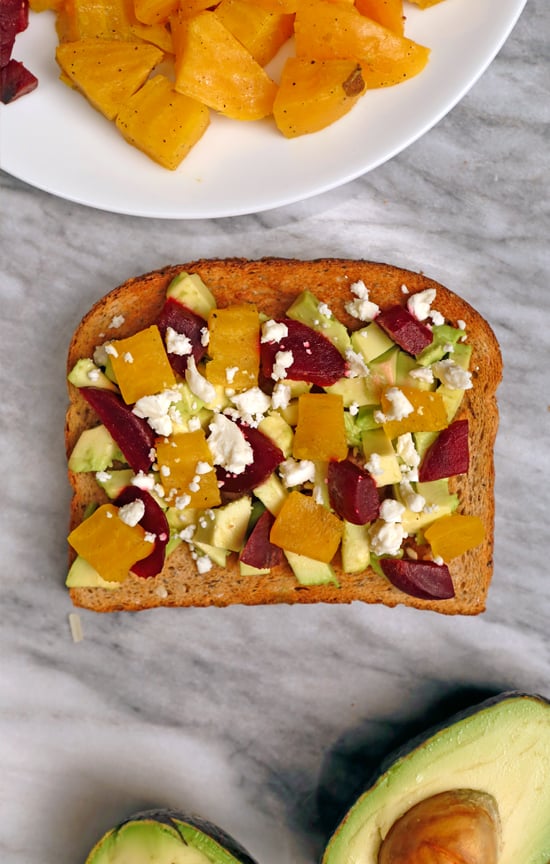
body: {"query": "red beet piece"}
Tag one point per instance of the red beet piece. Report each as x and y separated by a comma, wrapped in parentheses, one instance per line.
(448, 455)
(182, 320)
(352, 492)
(266, 458)
(15, 81)
(14, 18)
(259, 551)
(316, 359)
(153, 521)
(424, 579)
(406, 330)
(133, 435)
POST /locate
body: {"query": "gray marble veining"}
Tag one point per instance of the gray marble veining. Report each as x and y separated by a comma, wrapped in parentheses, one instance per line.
(264, 719)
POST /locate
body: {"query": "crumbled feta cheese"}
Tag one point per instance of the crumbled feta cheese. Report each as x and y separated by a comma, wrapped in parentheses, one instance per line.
(158, 489)
(182, 501)
(165, 470)
(354, 409)
(177, 343)
(150, 537)
(155, 409)
(252, 405)
(452, 375)
(413, 500)
(205, 336)
(325, 310)
(401, 407)
(203, 468)
(461, 324)
(230, 373)
(195, 485)
(422, 373)
(361, 308)
(356, 366)
(281, 395)
(111, 350)
(143, 481)
(404, 289)
(128, 357)
(438, 560)
(283, 361)
(194, 424)
(93, 375)
(198, 384)
(406, 450)
(391, 510)
(374, 465)
(386, 537)
(131, 513)
(294, 473)
(436, 317)
(228, 446)
(103, 476)
(273, 331)
(186, 534)
(419, 304)
(116, 322)
(204, 563)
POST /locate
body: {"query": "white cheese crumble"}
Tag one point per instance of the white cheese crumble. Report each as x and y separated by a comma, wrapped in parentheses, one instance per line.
(452, 375)
(178, 343)
(391, 510)
(203, 468)
(325, 310)
(404, 289)
(283, 361)
(413, 500)
(156, 410)
(361, 308)
(400, 405)
(436, 317)
(204, 563)
(294, 472)
(356, 366)
(281, 395)
(422, 373)
(230, 373)
(374, 465)
(205, 336)
(150, 537)
(386, 537)
(198, 384)
(128, 357)
(182, 501)
(116, 322)
(194, 424)
(111, 350)
(143, 481)
(252, 405)
(93, 375)
(461, 324)
(419, 304)
(131, 513)
(228, 446)
(103, 476)
(406, 450)
(354, 409)
(273, 331)
(186, 534)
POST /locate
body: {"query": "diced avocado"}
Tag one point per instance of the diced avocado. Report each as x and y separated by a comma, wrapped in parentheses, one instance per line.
(83, 575)
(443, 336)
(321, 484)
(172, 544)
(272, 494)
(217, 555)
(405, 364)
(180, 519)
(452, 399)
(358, 391)
(85, 373)
(462, 354)
(355, 548)
(439, 502)
(308, 571)
(290, 413)
(297, 388)
(276, 428)
(423, 440)
(189, 404)
(358, 423)
(384, 369)
(378, 451)
(115, 481)
(190, 291)
(225, 527)
(309, 310)
(248, 570)
(371, 341)
(95, 450)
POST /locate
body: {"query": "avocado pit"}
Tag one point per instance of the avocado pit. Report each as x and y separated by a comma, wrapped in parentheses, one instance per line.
(460, 826)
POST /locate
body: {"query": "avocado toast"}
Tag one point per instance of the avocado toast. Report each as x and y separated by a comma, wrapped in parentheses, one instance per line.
(343, 289)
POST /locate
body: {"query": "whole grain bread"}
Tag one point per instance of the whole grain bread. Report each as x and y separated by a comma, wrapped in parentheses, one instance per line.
(273, 284)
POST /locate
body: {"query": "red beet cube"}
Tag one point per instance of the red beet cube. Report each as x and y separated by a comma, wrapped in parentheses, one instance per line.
(406, 331)
(352, 492)
(259, 551)
(153, 521)
(186, 322)
(133, 435)
(315, 358)
(424, 579)
(448, 455)
(15, 81)
(266, 458)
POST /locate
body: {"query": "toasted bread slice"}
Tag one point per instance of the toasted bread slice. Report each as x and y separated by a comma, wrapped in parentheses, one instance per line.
(273, 284)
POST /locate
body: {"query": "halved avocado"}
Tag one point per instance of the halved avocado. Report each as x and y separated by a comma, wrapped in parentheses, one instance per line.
(167, 837)
(500, 748)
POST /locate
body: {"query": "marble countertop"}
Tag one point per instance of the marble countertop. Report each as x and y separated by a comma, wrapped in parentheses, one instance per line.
(265, 719)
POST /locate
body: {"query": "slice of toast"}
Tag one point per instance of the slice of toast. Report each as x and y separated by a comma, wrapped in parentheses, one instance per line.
(273, 284)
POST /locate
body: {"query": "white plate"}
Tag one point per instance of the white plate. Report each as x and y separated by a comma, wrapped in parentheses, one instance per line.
(53, 140)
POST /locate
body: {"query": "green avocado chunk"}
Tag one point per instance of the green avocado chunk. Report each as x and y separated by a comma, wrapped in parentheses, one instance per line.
(167, 837)
(500, 748)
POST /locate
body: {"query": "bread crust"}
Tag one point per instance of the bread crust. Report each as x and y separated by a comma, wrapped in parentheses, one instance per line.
(273, 284)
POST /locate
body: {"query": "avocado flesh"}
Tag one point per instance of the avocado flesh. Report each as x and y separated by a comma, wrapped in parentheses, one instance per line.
(502, 749)
(148, 841)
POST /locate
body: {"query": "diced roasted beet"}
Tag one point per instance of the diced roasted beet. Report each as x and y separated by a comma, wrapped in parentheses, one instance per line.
(407, 331)
(14, 18)
(259, 551)
(424, 579)
(352, 492)
(182, 320)
(154, 522)
(15, 81)
(266, 458)
(315, 358)
(133, 435)
(448, 455)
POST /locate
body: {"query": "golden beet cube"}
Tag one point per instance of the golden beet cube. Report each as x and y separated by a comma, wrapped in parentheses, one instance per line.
(234, 346)
(108, 544)
(320, 432)
(141, 364)
(425, 412)
(107, 72)
(389, 13)
(213, 67)
(154, 11)
(186, 471)
(164, 124)
(315, 93)
(90, 19)
(307, 528)
(261, 32)
(453, 535)
(330, 30)
(156, 34)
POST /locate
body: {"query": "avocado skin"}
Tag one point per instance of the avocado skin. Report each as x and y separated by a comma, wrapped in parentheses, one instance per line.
(408, 748)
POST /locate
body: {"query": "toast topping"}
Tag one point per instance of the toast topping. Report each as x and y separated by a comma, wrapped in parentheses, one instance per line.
(290, 439)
